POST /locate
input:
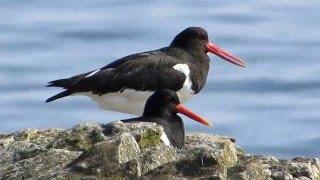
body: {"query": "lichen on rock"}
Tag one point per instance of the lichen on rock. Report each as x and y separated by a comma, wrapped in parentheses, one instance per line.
(80, 138)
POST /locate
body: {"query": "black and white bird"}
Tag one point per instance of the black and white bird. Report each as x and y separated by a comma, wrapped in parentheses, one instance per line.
(162, 108)
(125, 84)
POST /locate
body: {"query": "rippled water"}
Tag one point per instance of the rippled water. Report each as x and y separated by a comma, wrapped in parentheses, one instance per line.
(271, 107)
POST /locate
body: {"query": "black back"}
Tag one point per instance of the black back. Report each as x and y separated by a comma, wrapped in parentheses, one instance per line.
(160, 108)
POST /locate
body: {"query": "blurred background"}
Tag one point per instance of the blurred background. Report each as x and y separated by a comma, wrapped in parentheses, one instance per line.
(271, 107)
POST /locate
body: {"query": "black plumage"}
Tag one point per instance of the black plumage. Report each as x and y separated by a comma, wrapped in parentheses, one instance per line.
(182, 67)
(147, 71)
(160, 109)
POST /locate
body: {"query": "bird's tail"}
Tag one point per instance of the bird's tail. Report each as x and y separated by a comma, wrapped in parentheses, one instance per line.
(60, 95)
(68, 82)
(64, 83)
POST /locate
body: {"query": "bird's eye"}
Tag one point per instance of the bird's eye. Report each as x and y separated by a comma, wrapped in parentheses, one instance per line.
(167, 99)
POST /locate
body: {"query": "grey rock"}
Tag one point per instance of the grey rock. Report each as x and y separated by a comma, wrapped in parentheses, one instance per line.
(40, 166)
(280, 173)
(147, 135)
(156, 157)
(204, 156)
(112, 157)
(215, 150)
(5, 141)
(40, 137)
(251, 167)
(303, 167)
(80, 138)
(17, 151)
(135, 150)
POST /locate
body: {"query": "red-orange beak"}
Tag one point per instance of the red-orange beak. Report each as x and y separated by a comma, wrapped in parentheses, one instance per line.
(215, 49)
(185, 111)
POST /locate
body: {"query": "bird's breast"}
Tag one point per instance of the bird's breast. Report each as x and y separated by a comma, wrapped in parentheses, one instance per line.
(186, 92)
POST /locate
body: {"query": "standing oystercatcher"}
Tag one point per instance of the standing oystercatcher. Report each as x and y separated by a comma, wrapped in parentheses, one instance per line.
(125, 84)
(162, 108)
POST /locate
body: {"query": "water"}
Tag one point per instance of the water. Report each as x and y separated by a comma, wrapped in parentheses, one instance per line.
(271, 107)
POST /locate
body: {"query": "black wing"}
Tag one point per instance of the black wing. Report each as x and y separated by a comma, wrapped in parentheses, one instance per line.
(147, 71)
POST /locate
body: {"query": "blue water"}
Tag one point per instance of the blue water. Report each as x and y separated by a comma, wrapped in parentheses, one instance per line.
(271, 107)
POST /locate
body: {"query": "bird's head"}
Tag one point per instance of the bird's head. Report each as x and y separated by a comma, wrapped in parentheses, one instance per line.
(196, 39)
(166, 103)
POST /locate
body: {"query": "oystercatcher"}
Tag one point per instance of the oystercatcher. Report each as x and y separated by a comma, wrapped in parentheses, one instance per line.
(162, 108)
(125, 84)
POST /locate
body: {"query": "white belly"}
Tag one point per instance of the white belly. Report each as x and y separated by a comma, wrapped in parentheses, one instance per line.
(128, 101)
(132, 102)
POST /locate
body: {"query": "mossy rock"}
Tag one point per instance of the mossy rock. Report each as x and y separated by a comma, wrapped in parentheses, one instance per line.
(79, 138)
(150, 138)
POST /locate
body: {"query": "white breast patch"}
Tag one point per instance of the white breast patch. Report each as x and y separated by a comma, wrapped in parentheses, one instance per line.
(186, 91)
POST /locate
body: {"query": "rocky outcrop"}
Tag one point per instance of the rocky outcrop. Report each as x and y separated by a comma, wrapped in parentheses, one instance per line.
(136, 150)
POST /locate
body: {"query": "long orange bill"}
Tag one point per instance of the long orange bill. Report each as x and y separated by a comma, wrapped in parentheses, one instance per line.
(185, 111)
(215, 49)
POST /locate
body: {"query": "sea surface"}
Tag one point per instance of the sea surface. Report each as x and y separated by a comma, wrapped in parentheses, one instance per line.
(272, 107)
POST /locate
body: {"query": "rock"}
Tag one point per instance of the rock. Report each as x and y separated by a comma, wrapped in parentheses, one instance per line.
(215, 150)
(40, 137)
(41, 166)
(108, 158)
(46, 137)
(80, 138)
(147, 134)
(280, 173)
(27, 135)
(249, 167)
(5, 141)
(129, 150)
(204, 156)
(135, 150)
(156, 157)
(17, 151)
(303, 167)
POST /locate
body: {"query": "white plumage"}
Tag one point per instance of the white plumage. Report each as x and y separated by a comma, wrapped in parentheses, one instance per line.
(165, 140)
(93, 73)
(131, 101)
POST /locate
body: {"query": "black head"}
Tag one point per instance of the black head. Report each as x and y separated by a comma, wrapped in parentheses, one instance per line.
(192, 38)
(165, 104)
(196, 41)
(162, 108)
(162, 103)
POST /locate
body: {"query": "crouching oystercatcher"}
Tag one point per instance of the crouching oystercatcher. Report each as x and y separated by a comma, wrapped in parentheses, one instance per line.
(162, 108)
(125, 84)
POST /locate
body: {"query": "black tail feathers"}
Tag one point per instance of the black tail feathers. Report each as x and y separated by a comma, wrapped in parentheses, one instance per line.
(67, 83)
(58, 96)
(64, 83)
